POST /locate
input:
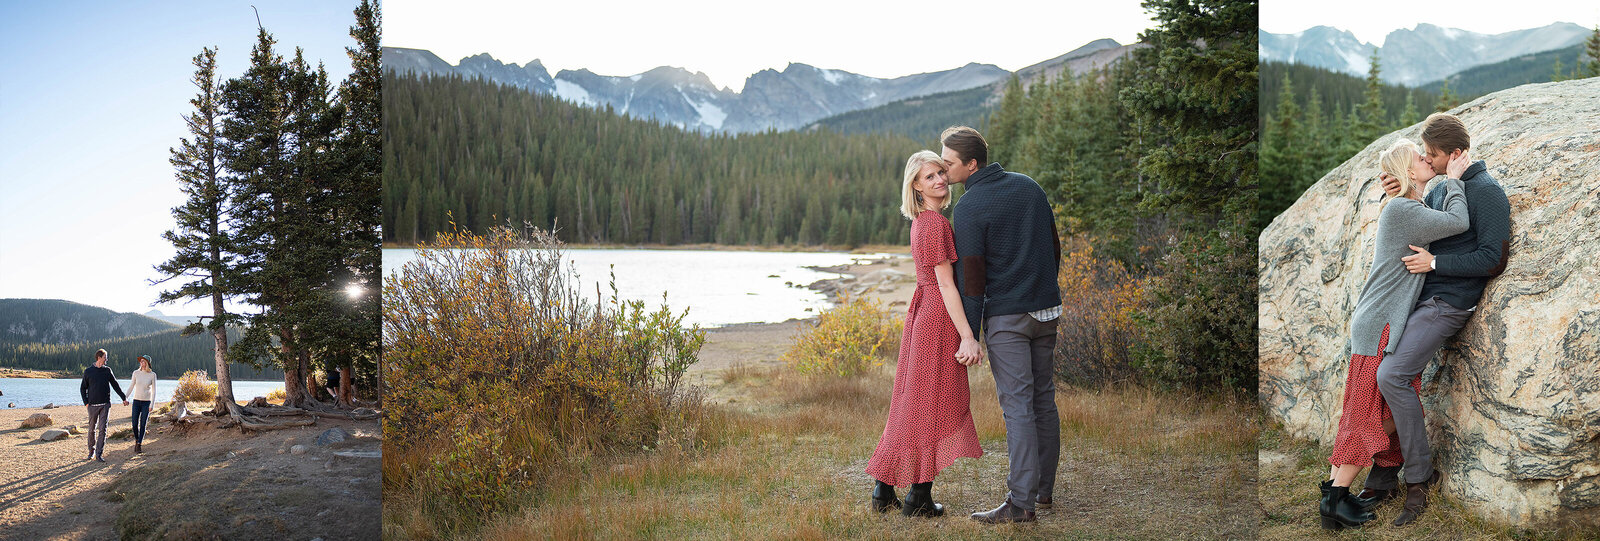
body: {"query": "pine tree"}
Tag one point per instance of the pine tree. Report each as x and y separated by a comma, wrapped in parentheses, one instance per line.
(1555, 72)
(204, 251)
(1409, 115)
(1592, 50)
(280, 129)
(358, 198)
(1003, 123)
(1371, 116)
(1282, 157)
(1447, 99)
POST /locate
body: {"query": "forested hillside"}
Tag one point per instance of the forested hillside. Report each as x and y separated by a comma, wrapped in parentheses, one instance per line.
(479, 154)
(53, 321)
(1318, 119)
(921, 119)
(170, 353)
(1339, 93)
(1151, 166)
(1534, 68)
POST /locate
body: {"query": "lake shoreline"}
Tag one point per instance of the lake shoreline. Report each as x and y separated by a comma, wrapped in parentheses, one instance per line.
(759, 345)
(53, 493)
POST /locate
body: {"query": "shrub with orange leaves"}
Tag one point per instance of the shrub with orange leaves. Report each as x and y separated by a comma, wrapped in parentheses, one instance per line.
(1096, 334)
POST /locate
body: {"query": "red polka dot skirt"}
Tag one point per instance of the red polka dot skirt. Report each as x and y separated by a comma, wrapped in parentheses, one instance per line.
(930, 419)
(1362, 440)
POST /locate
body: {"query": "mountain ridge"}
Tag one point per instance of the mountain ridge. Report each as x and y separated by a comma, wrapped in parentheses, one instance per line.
(1416, 56)
(790, 99)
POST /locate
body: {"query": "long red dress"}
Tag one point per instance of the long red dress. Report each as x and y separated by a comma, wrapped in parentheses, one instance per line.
(930, 419)
(1361, 439)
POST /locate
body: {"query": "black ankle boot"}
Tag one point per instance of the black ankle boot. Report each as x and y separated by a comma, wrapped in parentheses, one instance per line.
(919, 502)
(1366, 504)
(1339, 510)
(883, 498)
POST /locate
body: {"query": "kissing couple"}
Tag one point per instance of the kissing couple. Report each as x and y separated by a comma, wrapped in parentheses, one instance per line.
(1432, 257)
(991, 274)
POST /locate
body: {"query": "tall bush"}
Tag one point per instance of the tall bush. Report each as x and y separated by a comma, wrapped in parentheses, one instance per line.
(502, 372)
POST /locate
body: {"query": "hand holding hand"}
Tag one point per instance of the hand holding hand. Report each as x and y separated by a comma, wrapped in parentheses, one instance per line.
(1391, 185)
(1419, 262)
(124, 402)
(1457, 166)
(970, 353)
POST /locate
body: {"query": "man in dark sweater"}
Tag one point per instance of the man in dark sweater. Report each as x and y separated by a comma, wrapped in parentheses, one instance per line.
(98, 381)
(1458, 268)
(1008, 260)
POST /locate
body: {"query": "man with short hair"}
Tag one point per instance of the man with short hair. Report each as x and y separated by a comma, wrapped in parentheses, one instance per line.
(1458, 268)
(1009, 255)
(98, 381)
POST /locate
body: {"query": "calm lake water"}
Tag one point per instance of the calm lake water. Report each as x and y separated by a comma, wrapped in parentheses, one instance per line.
(33, 393)
(719, 287)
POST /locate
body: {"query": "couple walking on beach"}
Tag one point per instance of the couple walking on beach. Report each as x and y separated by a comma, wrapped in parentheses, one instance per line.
(98, 382)
(993, 274)
(1432, 258)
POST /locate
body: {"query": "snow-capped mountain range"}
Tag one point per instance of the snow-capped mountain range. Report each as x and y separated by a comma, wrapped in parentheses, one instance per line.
(771, 99)
(1416, 56)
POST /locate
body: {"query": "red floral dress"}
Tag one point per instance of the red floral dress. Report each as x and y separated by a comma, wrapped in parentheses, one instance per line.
(930, 421)
(1361, 439)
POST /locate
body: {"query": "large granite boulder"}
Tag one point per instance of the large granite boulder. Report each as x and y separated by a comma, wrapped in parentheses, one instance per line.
(1513, 401)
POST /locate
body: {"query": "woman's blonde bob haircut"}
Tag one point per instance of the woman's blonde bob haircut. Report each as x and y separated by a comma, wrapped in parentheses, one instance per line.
(911, 201)
(1396, 161)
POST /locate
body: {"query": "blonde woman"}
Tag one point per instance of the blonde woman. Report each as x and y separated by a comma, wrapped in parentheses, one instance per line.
(143, 389)
(1366, 430)
(930, 421)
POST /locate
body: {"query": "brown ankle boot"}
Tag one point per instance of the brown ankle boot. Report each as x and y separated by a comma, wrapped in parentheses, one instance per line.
(1416, 500)
(137, 448)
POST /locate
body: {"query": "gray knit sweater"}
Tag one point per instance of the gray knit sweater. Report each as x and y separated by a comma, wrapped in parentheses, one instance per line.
(1391, 290)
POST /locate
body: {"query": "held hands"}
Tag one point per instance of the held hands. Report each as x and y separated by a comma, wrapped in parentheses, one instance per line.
(1391, 185)
(1457, 166)
(1419, 262)
(124, 402)
(970, 353)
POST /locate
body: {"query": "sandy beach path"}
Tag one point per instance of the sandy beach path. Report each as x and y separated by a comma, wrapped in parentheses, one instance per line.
(44, 478)
(189, 483)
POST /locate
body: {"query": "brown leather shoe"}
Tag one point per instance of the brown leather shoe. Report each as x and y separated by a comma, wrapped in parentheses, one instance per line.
(1043, 504)
(137, 448)
(1005, 513)
(1416, 500)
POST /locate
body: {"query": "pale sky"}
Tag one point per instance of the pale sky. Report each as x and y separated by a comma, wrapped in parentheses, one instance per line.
(730, 40)
(1372, 20)
(91, 98)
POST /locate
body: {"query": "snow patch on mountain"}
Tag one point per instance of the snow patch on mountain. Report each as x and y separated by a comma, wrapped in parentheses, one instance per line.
(710, 115)
(570, 91)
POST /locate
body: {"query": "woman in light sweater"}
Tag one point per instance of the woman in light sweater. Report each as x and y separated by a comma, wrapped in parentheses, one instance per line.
(144, 391)
(1366, 429)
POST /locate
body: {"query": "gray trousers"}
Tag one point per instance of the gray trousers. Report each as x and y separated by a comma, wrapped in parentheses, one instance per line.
(1021, 355)
(98, 414)
(1429, 325)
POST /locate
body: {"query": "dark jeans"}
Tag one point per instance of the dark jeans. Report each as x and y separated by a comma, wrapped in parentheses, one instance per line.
(141, 417)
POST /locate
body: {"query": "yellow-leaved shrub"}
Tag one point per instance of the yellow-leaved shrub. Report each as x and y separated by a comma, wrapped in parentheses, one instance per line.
(846, 340)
